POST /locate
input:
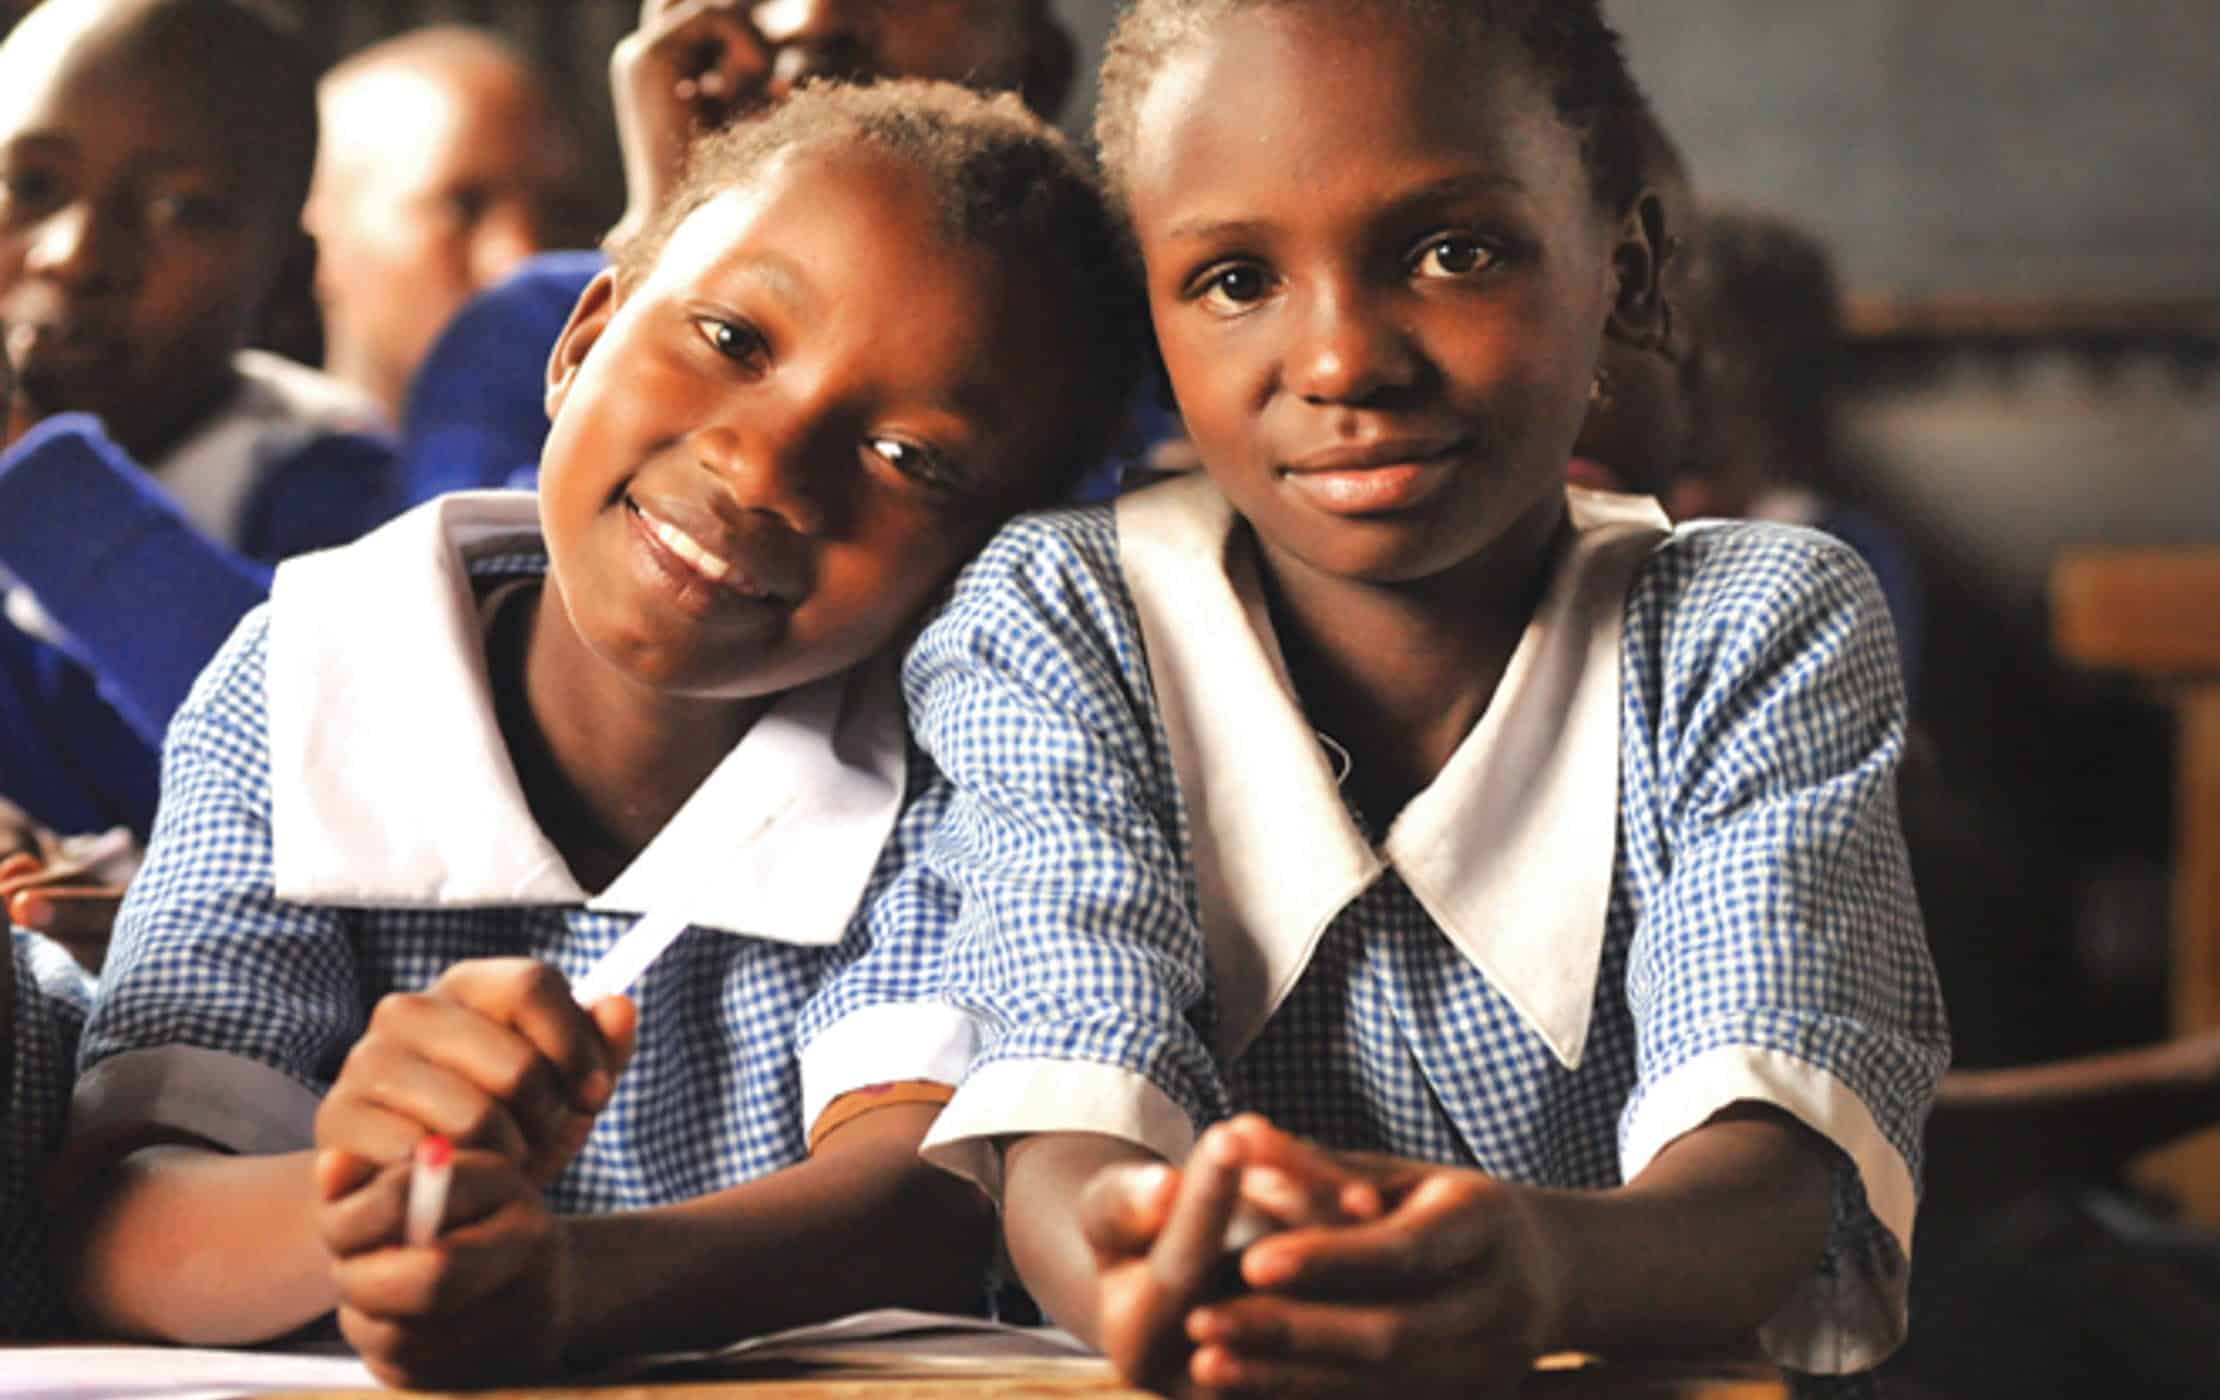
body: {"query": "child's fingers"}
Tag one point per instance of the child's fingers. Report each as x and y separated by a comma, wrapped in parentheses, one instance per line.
(362, 1127)
(618, 1019)
(714, 54)
(1269, 1344)
(1312, 1181)
(1445, 1227)
(1123, 1208)
(1191, 1245)
(71, 914)
(1294, 1202)
(534, 1000)
(374, 1215)
(1222, 1372)
(389, 1095)
(18, 865)
(336, 1173)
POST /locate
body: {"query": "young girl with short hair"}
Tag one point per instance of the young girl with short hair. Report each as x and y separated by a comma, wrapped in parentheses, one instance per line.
(1529, 870)
(448, 766)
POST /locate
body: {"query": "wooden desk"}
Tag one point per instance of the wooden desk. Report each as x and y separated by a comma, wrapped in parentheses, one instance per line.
(2156, 614)
(1634, 1381)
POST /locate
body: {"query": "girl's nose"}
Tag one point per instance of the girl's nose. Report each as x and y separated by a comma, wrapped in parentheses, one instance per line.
(768, 472)
(1347, 351)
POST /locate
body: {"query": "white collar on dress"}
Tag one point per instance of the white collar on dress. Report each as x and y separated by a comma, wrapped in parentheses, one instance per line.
(391, 785)
(1510, 849)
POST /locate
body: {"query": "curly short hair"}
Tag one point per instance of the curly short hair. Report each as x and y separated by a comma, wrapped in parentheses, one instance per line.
(1004, 179)
(1571, 47)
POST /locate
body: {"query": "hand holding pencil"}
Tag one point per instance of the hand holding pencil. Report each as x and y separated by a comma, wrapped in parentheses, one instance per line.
(451, 1270)
(453, 1112)
(496, 1054)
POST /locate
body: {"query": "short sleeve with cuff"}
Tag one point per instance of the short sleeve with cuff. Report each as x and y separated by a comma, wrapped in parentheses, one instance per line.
(340, 820)
(1661, 876)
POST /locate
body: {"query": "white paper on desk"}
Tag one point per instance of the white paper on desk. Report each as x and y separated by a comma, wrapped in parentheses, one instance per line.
(892, 1337)
(171, 1373)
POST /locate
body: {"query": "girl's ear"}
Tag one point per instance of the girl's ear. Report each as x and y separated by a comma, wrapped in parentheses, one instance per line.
(1639, 316)
(588, 319)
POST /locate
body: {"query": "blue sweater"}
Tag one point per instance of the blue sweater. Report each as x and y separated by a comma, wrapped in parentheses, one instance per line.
(143, 599)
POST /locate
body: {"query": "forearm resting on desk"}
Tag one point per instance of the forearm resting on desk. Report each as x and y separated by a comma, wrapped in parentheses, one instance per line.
(861, 1224)
(1698, 1251)
(186, 1244)
(1702, 1247)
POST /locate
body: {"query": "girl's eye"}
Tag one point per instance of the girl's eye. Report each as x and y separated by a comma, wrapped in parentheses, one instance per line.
(920, 464)
(731, 339)
(192, 211)
(1454, 256)
(31, 189)
(1233, 286)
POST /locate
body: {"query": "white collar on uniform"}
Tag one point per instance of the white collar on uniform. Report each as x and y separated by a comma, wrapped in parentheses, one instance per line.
(391, 785)
(1510, 849)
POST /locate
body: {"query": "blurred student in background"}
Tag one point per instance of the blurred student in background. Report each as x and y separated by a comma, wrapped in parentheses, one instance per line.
(1769, 313)
(153, 466)
(445, 162)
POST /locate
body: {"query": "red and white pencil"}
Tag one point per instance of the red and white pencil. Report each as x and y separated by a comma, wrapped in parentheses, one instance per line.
(431, 1170)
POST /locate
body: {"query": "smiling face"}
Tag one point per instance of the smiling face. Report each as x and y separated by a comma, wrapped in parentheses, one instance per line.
(1380, 282)
(768, 453)
(136, 247)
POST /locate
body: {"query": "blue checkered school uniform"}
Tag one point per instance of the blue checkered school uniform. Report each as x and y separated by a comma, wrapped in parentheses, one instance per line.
(340, 821)
(1663, 874)
(52, 993)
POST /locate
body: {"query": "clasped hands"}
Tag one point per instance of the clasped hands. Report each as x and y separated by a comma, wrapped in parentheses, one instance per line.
(1380, 1271)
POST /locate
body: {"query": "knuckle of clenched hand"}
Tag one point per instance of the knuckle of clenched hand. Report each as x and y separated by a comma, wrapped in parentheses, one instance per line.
(1383, 1338)
(511, 1076)
(394, 1011)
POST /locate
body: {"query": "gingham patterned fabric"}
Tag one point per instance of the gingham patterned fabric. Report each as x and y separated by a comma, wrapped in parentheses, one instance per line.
(206, 956)
(1760, 895)
(51, 995)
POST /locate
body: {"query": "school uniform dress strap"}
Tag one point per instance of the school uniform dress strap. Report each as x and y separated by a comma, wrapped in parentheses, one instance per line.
(341, 820)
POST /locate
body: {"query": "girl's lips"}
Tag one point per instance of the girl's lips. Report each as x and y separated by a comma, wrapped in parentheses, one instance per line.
(1374, 478)
(710, 566)
(1379, 490)
(718, 565)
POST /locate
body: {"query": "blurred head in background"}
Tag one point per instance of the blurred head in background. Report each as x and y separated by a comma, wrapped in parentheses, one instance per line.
(1770, 316)
(445, 162)
(147, 206)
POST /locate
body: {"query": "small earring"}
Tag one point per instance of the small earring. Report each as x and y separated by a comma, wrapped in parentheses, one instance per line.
(1599, 390)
